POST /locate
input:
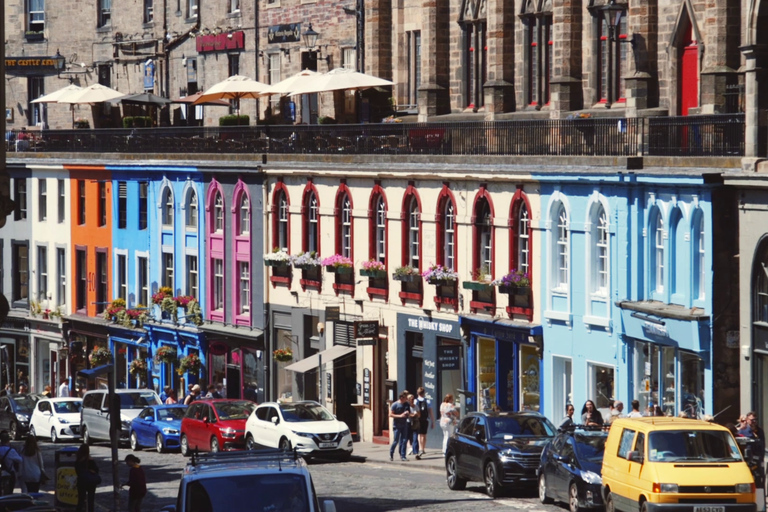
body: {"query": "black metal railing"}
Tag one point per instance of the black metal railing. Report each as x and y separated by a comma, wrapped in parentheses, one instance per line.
(710, 135)
(679, 136)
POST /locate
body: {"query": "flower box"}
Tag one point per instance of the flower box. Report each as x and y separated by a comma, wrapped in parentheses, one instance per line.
(34, 36)
(406, 278)
(522, 290)
(476, 285)
(338, 269)
(441, 282)
(305, 266)
(276, 263)
(376, 274)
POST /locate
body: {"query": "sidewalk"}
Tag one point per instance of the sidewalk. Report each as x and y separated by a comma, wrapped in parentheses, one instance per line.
(379, 453)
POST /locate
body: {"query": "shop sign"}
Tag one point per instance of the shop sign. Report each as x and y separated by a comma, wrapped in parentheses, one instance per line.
(332, 314)
(328, 380)
(654, 330)
(221, 42)
(424, 324)
(366, 386)
(290, 33)
(218, 348)
(366, 329)
(23, 66)
(449, 357)
(429, 379)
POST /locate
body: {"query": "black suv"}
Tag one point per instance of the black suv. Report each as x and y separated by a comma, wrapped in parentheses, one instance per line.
(570, 468)
(251, 480)
(498, 449)
(15, 411)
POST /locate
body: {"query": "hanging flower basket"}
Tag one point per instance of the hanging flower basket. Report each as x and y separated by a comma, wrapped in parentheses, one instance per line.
(190, 364)
(440, 275)
(138, 367)
(283, 355)
(100, 356)
(165, 354)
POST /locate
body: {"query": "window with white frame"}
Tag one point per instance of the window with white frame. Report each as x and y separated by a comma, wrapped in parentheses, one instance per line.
(62, 206)
(658, 252)
(192, 277)
(562, 249)
(282, 222)
(218, 284)
(122, 276)
(313, 235)
(143, 283)
(600, 252)
(35, 16)
(20, 267)
(168, 269)
(701, 274)
(105, 12)
(273, 63)
(484, 233)
(245, 287)
(20, 198)
(42, 199)
(42, 272)
(234, 6)
(218, 214)
(192, 210)
(414, 232)
(449, 236)
(346, 227)
(244, 215)
(523, 239)
(381, 230)
(349, 58)
(167, 208)
(61, 270)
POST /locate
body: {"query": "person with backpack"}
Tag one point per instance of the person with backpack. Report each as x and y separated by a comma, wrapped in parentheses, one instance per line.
(10, 461)
(426, 419)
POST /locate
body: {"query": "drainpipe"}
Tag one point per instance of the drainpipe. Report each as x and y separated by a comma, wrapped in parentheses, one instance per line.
(256, 53)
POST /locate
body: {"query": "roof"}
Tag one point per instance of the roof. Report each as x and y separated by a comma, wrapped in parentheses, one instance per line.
(666, 423)
(233, 463)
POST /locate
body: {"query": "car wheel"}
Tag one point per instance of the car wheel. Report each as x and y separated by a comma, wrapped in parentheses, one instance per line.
(543, 490)
(644, 507)
(492, 488)
(214, 445)
(86, 435)
(134, 442)
(455, 482)
(184, 445)
(54, 437)
(13, 430)
(159, 443)
(285, 445)
(573, 498)
(250, 442)
(609, 505)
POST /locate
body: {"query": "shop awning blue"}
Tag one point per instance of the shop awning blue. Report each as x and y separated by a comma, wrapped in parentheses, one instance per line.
(90, 373)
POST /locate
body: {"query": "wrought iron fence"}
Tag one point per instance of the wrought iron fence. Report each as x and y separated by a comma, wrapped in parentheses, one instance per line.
(710, 135)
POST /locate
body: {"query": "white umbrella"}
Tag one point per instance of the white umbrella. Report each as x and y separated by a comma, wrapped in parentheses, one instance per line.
(95, 93)
(290, 84)
(233, 88)
(56, 96)
(341, 79)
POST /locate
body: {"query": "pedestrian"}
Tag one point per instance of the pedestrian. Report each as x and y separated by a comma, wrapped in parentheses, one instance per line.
(752, 430)
(88, 479)
(590, 416)
(414, 424)
(171, 397)
(47, 392)
(618, 406)
(189, 392)
(568, 420)
(635, 413)
(10, 462)
(426, 419)
(218, 391)
(137, 483)
(23, 389)
(32, 470)
(193, 395)
(657, 411)
(448, 418)
(399, 413)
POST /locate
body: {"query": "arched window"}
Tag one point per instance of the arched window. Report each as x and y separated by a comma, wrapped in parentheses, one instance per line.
(414, 231)
(312, 235)
(282, 221)
(244, 215)
(483, 236)
(600, 261)
(381, 230)
(658, 252)
(700, 249)
(562, 273)
(344, 227)
(218, 213)
(191, 220)
(523, 239)
(446, 250)
(167, 207)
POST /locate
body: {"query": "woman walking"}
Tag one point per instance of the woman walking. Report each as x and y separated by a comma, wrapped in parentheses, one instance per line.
(32, 469)
(137, 483)
(88, 479)
(448, 418)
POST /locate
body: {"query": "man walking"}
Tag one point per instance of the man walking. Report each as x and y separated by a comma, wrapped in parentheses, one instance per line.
(426, 419)
(399, 413)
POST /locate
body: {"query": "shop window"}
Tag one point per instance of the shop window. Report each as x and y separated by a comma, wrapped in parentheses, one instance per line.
(600, 259)
(601, 385)
(562, 382)
(20, 272)
(414, 360)
(143, 204)
(167, 206)
(449, 378)
(192, 210)
(486, 373)
(530, 370)
(20, 198)
(122, 204)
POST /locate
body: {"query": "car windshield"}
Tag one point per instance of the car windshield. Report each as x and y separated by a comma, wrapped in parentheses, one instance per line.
(305, 412)
(171, 414)
(590, 447)
(67, 407)
(284, 492)
(25, 404)
(234, 410)
(501, 426)
(138, 400)
(698, 445)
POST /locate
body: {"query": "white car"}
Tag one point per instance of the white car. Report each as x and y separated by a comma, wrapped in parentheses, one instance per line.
(307, 427)
(56, 418)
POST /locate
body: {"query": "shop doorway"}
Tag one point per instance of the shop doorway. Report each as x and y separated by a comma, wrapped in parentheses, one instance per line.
(380, 373)
(450, 380)
(414, 361)
(345, 390)
(562, 386)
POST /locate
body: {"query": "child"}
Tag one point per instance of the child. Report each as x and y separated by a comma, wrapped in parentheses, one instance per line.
(137, 482)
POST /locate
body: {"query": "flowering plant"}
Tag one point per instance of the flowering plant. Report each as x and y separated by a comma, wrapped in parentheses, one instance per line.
(183, 300)
(439, 273)
(338, 261)
(278, 256)
(306, 259)
(373, 265)
(100, 356)
(190, 363)
(283, 355)
(131, 317)
(115, 307)
(165, 354)
(35, 308)
(194, 312)
(515, 279)
(392, 119)
(138, 367)
(482, 275)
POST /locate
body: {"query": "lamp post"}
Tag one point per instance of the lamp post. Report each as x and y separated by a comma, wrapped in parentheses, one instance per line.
(310, 42)
(612, 13)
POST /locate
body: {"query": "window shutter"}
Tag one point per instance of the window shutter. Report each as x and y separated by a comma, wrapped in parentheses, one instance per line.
(122, 190)
(344, 334)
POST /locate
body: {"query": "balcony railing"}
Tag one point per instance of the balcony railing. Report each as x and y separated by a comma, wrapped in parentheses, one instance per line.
(680, 136)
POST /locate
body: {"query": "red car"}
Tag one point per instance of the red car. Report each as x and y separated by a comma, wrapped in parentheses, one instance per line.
(215, 425)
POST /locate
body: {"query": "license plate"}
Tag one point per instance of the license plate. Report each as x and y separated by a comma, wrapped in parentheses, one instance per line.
(708, 509)
(333, 445)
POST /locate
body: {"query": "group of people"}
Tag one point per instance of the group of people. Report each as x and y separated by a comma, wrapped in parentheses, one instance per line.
(592, 417)
(412, 416)
(194, 392)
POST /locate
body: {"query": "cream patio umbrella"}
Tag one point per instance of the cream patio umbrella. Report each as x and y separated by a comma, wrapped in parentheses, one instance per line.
(292, 83)
(57, 96)
(233, 88)
(95, 93)
(340, 79)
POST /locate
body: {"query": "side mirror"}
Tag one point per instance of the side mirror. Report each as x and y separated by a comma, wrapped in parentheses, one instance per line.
(328, 506)
(275, 420)
(479, 435)
(206, 420)
(47, 413)
(635, 457)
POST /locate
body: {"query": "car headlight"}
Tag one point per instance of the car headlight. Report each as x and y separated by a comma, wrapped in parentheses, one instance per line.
(229, 433)
(745, 488)
(665, 488)
(63, 421)
(22, 417)
(345, 433)
(507, 454)
(302, 434)
(591, 477)
(170, 431)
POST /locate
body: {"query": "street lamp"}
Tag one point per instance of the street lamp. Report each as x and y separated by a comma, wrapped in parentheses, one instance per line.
(310, 41)
(612, 13)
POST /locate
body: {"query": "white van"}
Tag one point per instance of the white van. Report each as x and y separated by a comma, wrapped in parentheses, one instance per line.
(94, 416)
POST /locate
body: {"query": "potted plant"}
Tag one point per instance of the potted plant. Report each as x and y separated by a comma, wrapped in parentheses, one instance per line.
(338, 264)
(100, 356)
(277, 258)
(116, 306)
(82, 123)
(481, 280)
(35, 308)
(194, 312)
(282, 355)
(305, 260)
(32, 35)
(162, 293)
(190, 364)
(440, 275)
(374, 269)
(138, 367)
(406, 273)
(165, 354)
(516, 281)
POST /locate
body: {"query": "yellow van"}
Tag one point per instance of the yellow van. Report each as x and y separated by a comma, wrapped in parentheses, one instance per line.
(660, 464)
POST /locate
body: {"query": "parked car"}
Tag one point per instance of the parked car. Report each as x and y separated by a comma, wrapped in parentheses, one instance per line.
(500, 449)
(659, 463)
(94, 416)
(56, 418)
(214, 425)
(15, 411)
(308, 427)
(262, 480)
(158, 426)
(570, 469)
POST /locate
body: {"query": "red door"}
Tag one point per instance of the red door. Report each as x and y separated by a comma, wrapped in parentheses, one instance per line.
(689, 74)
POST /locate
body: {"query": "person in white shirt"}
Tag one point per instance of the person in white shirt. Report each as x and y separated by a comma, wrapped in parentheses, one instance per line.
(63, 388)
(635, 410)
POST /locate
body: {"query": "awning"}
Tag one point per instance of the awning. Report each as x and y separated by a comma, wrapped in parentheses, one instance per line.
(312, 362)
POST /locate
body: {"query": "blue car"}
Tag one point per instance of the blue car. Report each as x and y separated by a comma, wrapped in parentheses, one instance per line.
(158, 426)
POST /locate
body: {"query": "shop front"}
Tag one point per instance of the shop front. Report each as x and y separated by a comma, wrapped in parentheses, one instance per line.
(15, 352)
(84, 336)
(430, 354)
(504, 364)
(49, 355)
(234, 358)
(129, 348)
(669, 359)
(168, 352)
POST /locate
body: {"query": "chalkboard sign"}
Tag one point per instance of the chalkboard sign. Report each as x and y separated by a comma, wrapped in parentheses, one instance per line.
(449, 357)
(366, 386)
(367, 329)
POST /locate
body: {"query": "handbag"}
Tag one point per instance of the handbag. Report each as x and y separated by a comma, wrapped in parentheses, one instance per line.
(90, 479)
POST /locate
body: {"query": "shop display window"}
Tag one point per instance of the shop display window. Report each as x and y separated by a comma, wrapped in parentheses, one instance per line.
(601, 386)
(486, 372)
(692, 382)
(529, 379)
